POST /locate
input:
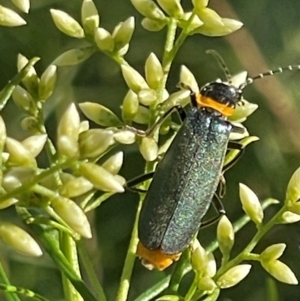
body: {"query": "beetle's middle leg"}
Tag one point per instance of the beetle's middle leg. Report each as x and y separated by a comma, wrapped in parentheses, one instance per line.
(130, 185)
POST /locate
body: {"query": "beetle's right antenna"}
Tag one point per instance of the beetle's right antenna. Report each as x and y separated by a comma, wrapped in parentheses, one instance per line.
(250, 80)
(221, 62)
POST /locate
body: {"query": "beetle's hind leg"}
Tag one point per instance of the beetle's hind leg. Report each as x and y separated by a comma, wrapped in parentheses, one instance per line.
(130, 185)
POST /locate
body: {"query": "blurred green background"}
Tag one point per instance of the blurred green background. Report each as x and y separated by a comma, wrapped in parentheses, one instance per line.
(270, 38)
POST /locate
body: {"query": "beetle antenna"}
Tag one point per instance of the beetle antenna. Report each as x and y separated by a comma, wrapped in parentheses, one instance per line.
(250, 80)
(221, 62)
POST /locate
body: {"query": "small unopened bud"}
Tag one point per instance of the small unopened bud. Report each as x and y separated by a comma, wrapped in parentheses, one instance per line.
(233, 276)
(18, 239)
(66, 24)
(114, 163)
(172, 7)
(18, 154)
(9, 18)
(147, 97)
(29, 124)
(22, 98)
(89, 16)
(104, 40)
(188, 79)
(209, 16)
(23, 5)
(133, 79)
(294, 208)
(280, 271)
(100, 114)
(200, 4)
(47, 83)
(153, 25)
(73, 215)
(225, 235)
(125, 137)
(192, 24)
(69, 123)
(251, 204)
(153, 70)
(123, 33)
(74, 56)
(68, 146)
(130, 106)
(148, 148)
(100, 177)
(199, 259)
(273, 252)
(148, 9)
(7, 203)
(2, 133)
(181, 97)
(289, 217)
(35, 144)
(142, 116)
(75, 187)
(293, 188)
(206, 284)
(94, 142)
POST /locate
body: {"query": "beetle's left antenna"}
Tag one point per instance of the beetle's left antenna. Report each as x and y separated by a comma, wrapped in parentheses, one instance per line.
(250, 80)
(221, 62)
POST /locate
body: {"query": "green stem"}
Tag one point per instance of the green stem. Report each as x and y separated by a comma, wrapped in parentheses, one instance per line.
(95, 284)
(11, 296)
(10, 289)
(130, 258)
(189, 295)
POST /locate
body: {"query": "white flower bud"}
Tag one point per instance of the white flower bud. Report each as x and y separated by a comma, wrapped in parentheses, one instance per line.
(35, 144)
(148, 148)
(153, 70)
(73, 56)
(233, 276)
(89, 16)
(133, 79)
(73, 215)
(23, 5)
(9, 18)
(104, 40)
(66, 24)
(20, 240)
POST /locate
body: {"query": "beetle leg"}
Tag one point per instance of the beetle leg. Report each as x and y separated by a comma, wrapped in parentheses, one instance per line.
(130, 185)
(158, 123)
(218, 205)
(234, 146)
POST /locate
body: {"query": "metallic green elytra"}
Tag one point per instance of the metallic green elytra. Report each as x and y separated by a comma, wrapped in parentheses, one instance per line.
(185, 181)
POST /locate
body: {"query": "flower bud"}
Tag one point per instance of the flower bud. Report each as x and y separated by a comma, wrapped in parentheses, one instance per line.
(148, 148)
(181, 97)
(29, 124)
(172, 7)
(133, 79)
(95, 142)
(76, 187)
(123, 32)
(7, 203)
(68, 146)
(23, 5)
(100, 177)
(280, 271)
(242, 112)
(199, 259)
(125, 137)
(293, 188)
(147, 97)
(153, 70)
(188, 24)
(18, 154)
(289, 218)
(114, 163)
(74, 56)
(16, 177)
(273, 252)
(233, 276)
(225, 235)
(100, 114)
(206, 284)
(47, 83)
(153, 25)
(104, 40)
(18, 239)
(200, 4)
(73, 215)
(148, 9)
(142, 116)
(251, 204)
(2, 133)
(130, 107)
(188, 79)
(294, 208)
(22, 98)
(35, 144)
(9, 18)
(66, 24)
(89, 16)
(170, 298)
(69, 123)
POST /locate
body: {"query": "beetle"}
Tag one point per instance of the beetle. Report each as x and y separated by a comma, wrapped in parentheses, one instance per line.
(186, 179)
